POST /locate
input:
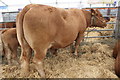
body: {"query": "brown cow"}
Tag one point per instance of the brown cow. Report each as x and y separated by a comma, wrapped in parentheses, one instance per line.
(9, 44)
(41, 27)
(8, 25)
(116, 54)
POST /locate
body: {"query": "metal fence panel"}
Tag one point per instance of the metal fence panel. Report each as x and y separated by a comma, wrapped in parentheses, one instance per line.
(117, 29)
(9, 16)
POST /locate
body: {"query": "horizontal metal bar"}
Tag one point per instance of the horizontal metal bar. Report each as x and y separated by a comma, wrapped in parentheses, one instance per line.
(7, 21)
(111, 15)
(111, 23)
(100, 30)
(11, 12)
(84, 37)
(101, 7)
(3, 28)
(85, 31)
(15, 21)
(99, 36)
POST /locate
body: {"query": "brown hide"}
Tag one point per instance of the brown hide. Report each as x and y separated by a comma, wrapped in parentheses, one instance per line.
(8, 25)
(117, 65)
(41, 27)
(10, 44)
(1, 43)
(116, 54)
(116, 49)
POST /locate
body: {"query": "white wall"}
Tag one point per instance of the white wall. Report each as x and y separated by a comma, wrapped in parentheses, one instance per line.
(13, 5)
(1, 18)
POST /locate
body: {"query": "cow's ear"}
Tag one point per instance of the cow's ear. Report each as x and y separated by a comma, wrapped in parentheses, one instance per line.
(92, 12)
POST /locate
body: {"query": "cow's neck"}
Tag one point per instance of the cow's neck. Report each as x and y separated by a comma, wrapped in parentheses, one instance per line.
(88, 17)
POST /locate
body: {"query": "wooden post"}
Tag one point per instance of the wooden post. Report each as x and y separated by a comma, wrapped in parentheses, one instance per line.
(117, 28)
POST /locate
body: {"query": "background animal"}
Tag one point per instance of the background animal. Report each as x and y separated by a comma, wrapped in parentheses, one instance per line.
(41, 27)
(9, 44)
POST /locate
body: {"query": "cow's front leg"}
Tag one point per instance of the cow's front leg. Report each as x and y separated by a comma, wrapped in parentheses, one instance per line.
(77, 43)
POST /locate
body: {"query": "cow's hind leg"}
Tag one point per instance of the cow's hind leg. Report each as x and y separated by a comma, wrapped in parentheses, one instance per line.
(15, 57)
(39, 55)
(25, 59)
(77, 43)
(8, 54)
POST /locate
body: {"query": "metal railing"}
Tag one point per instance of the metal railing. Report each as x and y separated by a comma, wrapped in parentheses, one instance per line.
(96, 29)
(113, 15)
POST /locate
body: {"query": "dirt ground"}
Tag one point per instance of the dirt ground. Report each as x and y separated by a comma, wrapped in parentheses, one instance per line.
(95, 61)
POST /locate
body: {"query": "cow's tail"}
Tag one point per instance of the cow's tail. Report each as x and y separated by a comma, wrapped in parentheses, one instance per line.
(19, 24)
(1, 44)
(1, 47)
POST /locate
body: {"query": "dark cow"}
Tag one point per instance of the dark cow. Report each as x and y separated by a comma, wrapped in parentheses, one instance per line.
(9, 44)
(41, 27)
(116, 54)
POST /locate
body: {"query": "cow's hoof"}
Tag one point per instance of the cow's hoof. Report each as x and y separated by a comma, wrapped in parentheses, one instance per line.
(42, 74)
(24, 73)
(24, 70)
(10, 63)
(15, 62)
(75, 54)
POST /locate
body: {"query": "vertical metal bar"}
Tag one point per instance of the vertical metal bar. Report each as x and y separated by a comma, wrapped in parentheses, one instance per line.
(56, 3)
(108, 11)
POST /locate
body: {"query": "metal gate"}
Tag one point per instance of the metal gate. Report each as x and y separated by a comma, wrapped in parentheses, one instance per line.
(109, 12)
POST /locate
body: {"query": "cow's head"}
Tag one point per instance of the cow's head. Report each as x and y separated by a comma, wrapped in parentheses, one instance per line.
(97, 20)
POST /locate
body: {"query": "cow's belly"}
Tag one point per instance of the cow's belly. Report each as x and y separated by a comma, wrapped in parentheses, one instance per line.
(63, 41)
(37, 38)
